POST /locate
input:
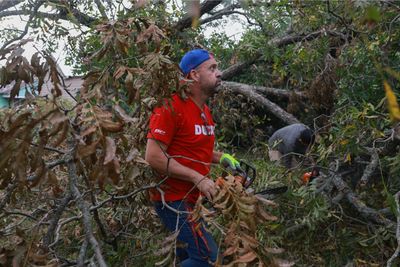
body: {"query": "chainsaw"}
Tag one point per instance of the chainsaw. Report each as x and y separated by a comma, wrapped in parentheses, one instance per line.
(246, 174)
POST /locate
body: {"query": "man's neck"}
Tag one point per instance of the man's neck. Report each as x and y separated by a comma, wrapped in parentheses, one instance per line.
(199, 101)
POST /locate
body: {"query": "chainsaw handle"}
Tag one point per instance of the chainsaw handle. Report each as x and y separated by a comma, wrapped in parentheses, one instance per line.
(245, 171)
(249, 173)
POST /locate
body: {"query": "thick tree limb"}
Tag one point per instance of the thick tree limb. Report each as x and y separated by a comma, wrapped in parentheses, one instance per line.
(6, 4)
(62, 14)
(229, 10)
(278, 42)
(269, 91)
(205, 7)
(238, 68)
(264, 102)
(360, 206)
(25, 12)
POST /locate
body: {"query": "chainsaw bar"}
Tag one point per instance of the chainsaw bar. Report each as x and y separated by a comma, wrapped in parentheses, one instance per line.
(274, 190)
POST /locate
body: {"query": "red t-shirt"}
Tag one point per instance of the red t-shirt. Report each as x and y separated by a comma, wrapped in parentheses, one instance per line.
(187, 131)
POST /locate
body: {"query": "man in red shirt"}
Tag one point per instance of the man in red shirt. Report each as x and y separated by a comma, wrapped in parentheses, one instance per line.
(180, 148)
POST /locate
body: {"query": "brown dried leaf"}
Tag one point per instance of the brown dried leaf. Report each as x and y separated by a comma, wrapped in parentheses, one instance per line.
(57, 117)
(15, 90)
(87, 150)
(249, 209)
(152, 32)
(266, 201)
(111, 126)
(61, 136)
(220, 195)
(265, 215)
(110, 150)
(141, 3)
(227, 201)
(119, 72)
(230, 251)
(120, 112)
(89, 131)
(248, 257)
(251, 241)
(23, 74)
(38, 258)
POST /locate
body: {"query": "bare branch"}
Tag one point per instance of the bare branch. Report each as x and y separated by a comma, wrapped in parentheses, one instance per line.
(101, 8)
(17, 212)
(278, 42)
(269, 91)
(9, 191)
(24, 12)
(56, 215)
(360, 206)
(229, 10)
(397, 251)
(62, 14)
(369, 170)
(25, 31)
(205, 7)
(6, 4)
(82, 253)
(86, 220)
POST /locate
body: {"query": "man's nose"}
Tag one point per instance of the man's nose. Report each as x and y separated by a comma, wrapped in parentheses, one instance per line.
(219, 74)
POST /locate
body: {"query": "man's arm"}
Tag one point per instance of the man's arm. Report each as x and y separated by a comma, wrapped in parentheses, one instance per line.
(156, 157)
(216, 156)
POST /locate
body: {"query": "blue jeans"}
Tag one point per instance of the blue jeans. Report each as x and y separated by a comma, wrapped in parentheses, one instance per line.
(201, 248)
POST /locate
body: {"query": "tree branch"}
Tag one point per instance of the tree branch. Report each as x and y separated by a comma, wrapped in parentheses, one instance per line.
(9, 191)
(369, 170)
(101, 8)
(277, 42)
(269, 91)
(205, 7)
(56, 215)
(264, 102)
(397, 251)
(87, 225)
(360, 206)
(25, 31)
(81, 17)
(229, 10)
(6, 4)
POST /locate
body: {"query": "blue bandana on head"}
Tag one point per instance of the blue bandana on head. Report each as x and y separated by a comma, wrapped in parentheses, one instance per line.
(192, 59)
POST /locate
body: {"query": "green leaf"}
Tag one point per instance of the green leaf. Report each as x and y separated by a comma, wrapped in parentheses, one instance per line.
(373, 14)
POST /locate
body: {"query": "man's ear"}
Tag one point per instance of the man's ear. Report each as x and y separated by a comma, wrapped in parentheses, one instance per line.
(194, 75)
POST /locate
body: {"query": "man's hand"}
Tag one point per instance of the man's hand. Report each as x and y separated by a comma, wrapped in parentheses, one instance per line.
(207, 187)
(227, 161)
